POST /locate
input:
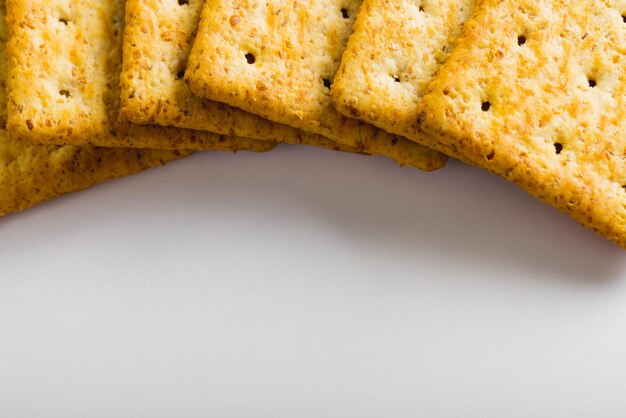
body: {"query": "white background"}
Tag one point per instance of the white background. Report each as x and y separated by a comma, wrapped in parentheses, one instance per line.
(308, 283)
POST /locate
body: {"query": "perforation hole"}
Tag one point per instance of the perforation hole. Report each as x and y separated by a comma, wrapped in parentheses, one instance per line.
(234, 20)
(344, 13)
(396, 78)
(183, 2)
(592, 83)
(180, 74)
(327, 83)
(64, 93)
(624, 17)
(250, 58)
(558, 148)
(521, 40)
(64, 20)
(485, 106)
(491, 155)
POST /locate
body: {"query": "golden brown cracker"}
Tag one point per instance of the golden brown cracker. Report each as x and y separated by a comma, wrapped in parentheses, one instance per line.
(278, 60)
(535, 91)
(157, 42)
(32, 174)
(64, 62)
(395, 50)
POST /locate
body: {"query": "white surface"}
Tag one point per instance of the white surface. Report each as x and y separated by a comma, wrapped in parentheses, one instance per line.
(306, 283)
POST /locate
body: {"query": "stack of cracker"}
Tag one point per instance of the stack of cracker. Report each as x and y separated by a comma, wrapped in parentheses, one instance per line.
(530, 90)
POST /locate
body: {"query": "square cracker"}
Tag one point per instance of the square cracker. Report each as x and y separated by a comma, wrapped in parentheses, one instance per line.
(157, 42)
(278, 59)
(395, 50)
(64, 62)
(535, 91)
(32, 174)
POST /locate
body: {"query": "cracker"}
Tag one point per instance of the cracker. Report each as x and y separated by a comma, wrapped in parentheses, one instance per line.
(36, 173)
(32, 174)
(64, 61)
(535, 91)
(278, 59)
(395, 50)
(157, 41)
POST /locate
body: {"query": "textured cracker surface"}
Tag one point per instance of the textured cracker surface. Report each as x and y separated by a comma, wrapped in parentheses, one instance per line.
(278, 59)
(64, 62)
(32, 174)
(395, 50)
(535, 91)
(36, 173)
(157, 42)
